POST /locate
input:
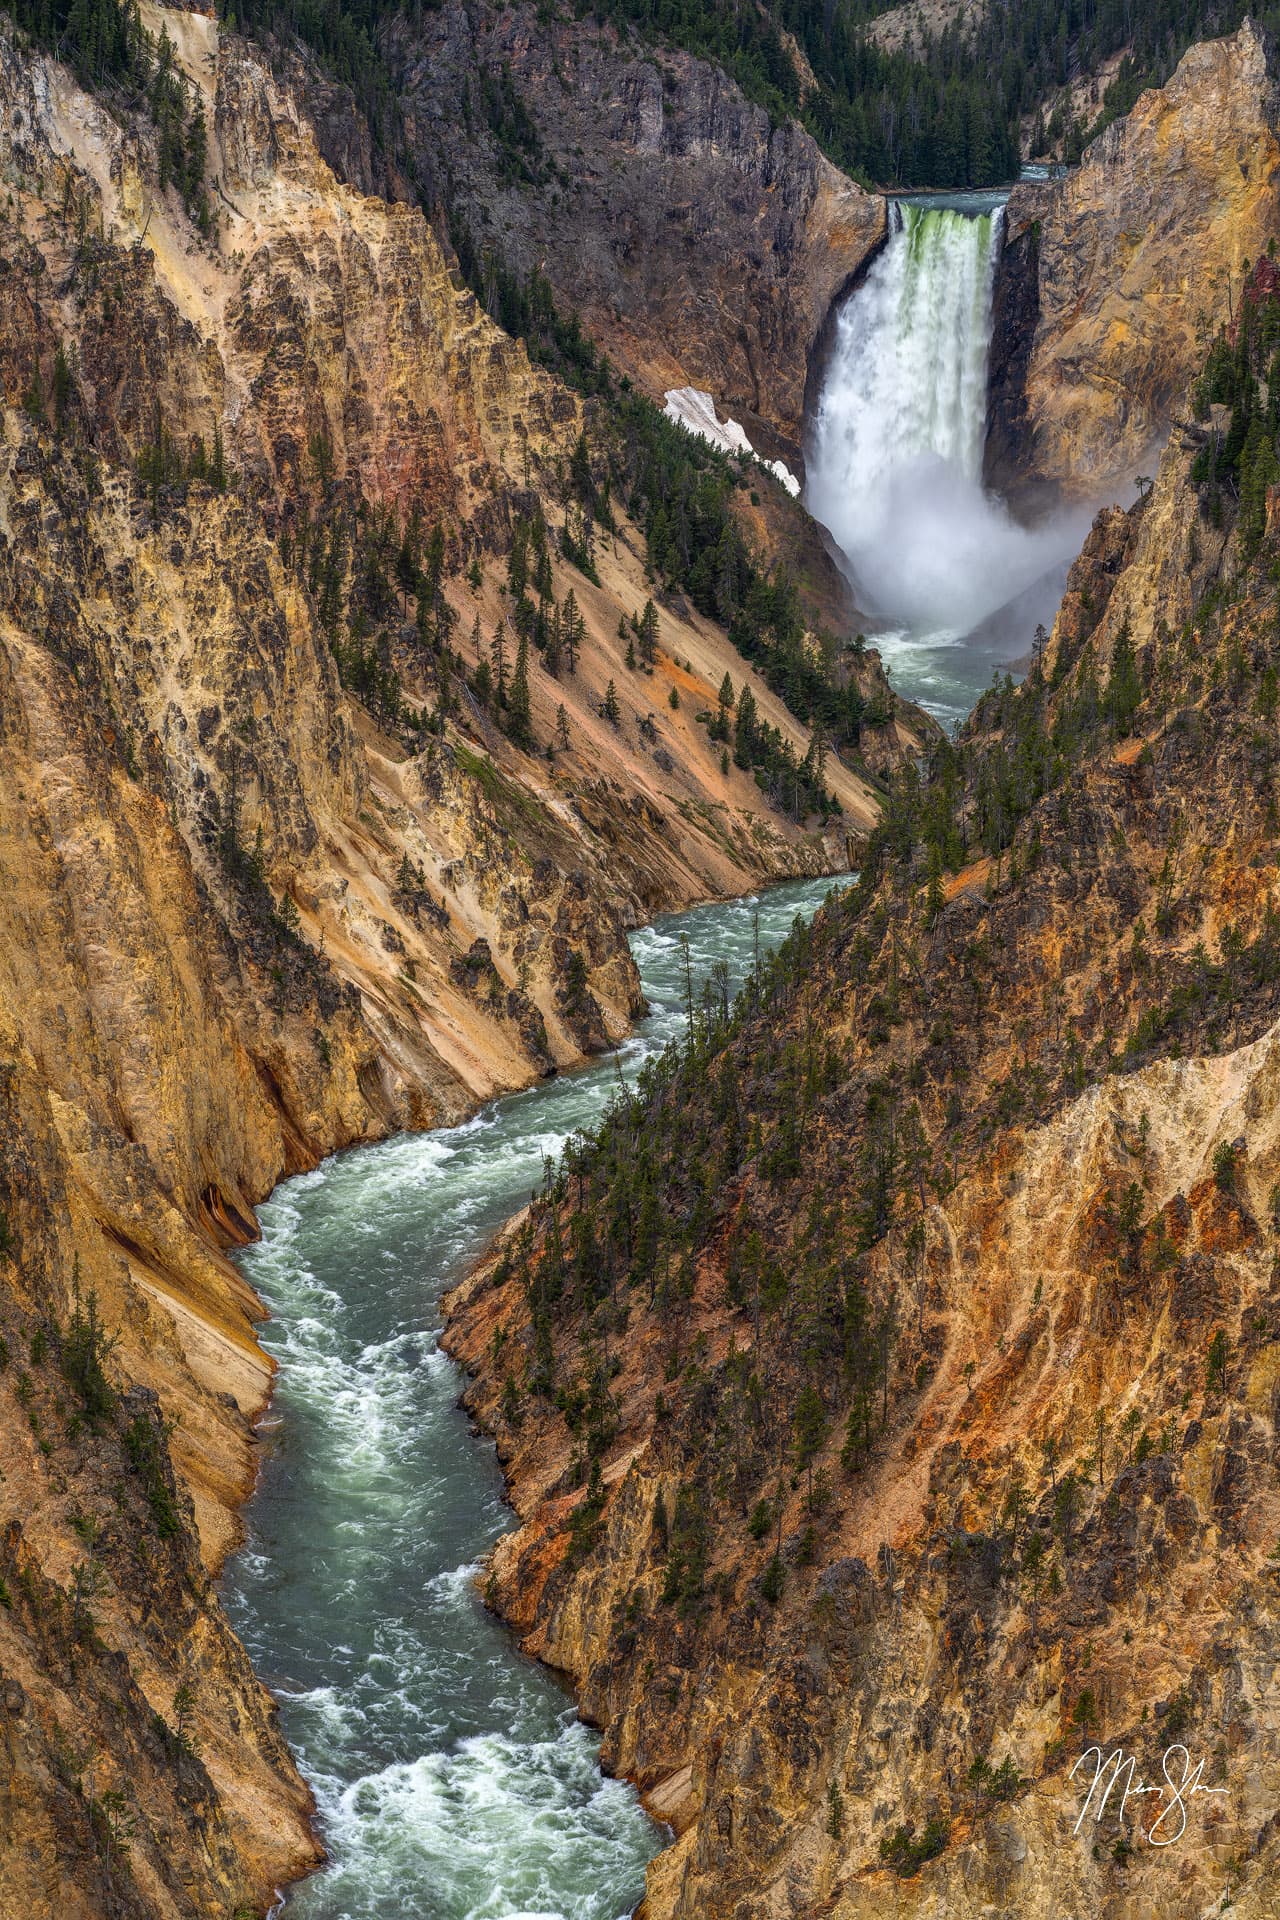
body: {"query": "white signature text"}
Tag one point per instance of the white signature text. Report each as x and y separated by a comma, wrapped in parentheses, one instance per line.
(1116, 1774)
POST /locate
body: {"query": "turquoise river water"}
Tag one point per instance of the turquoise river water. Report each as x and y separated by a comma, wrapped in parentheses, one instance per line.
(453, 1779)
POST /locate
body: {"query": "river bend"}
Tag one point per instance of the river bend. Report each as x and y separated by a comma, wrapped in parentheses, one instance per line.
(453, 1779)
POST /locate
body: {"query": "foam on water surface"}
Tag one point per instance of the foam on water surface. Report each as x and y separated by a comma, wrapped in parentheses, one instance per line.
(951, 580)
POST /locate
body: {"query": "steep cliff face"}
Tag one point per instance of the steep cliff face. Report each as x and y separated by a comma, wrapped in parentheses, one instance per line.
(1114, 277)
(142, 1769)
(274, 880)
(923, 1430)
(700, 247)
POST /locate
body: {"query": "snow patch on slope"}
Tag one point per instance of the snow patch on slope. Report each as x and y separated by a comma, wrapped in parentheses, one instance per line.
(695, 411)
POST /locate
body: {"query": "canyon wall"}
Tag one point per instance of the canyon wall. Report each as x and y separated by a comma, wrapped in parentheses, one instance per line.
(276, 881)
(941, 1445)
(254, 906)
(699, 245)
(1114, 278)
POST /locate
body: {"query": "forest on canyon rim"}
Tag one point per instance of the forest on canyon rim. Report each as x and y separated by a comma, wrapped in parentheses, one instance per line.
(887, 1390)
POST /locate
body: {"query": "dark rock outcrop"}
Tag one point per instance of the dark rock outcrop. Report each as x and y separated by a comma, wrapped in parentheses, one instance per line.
(701, 246)
(1015, 315)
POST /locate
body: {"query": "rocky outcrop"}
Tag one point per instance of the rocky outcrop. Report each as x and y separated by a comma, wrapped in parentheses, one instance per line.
(1113, 277)
(699, 246)
(908, 1651)
(914, 25)
(141, 1766)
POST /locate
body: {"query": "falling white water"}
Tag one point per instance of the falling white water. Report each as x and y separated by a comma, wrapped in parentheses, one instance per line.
(912, 346)
(895, 458)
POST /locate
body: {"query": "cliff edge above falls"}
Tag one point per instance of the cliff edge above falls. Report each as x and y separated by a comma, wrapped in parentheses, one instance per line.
(699, 245)
(1113, 279)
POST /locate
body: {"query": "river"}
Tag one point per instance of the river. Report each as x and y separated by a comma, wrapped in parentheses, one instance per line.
(453, 1779)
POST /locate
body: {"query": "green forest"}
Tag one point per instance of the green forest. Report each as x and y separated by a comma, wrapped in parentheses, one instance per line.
(949, 113)
(946, 113)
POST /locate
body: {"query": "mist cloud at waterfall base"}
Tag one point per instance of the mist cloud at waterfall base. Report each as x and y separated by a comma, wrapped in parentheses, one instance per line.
(932, 552)
(950, 582)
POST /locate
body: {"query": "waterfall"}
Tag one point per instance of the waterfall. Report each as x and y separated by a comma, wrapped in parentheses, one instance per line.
(909, 371)
(895, 456)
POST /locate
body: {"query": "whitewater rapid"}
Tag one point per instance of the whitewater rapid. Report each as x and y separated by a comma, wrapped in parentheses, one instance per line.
(894, 467)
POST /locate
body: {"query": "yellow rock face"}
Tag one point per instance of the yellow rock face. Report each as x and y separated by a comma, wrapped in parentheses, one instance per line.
(1141, 253)
(1057, 1361)
(180, 767)
(866, 1679)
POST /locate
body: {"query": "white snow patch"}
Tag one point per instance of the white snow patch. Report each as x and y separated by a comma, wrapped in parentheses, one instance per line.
(695, 411)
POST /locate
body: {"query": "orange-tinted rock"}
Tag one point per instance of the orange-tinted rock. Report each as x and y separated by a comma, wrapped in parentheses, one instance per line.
(1113, 275)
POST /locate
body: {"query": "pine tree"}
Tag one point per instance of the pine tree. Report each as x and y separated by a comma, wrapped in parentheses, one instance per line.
(724, 701)
(611, 710)
(935, 899)
(407, 575)
(649, 633)
(574, 630)
(1258, 474)
(810, 1429)
(580, 472)
(444, 689)
(1124, 688)
(499, 656)
(818, 751)
(553, 643)
(518, 560)
(62, 388)
(519, 713)
(744, 732)
(433, 564)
